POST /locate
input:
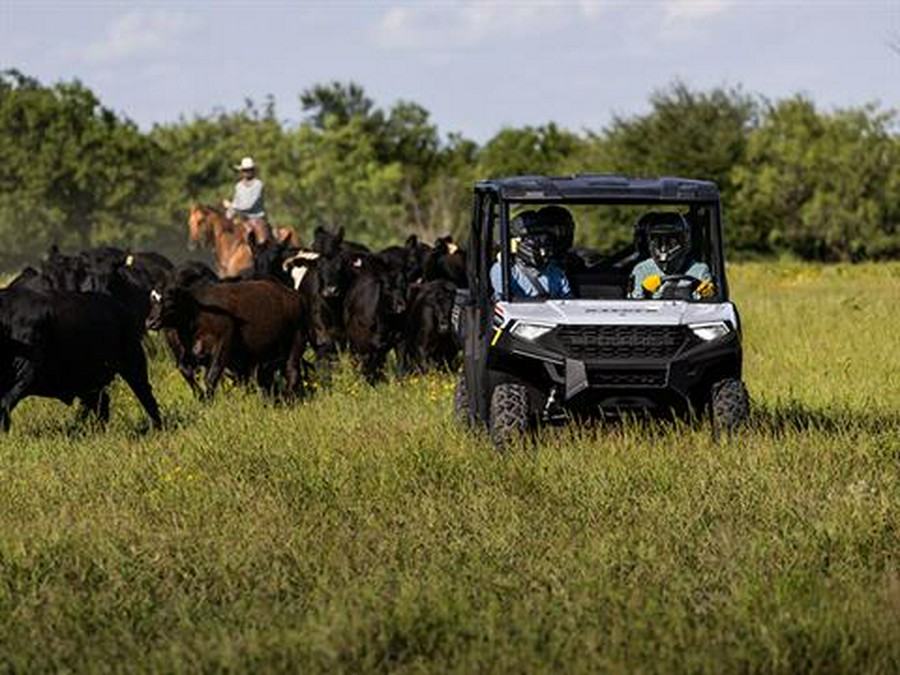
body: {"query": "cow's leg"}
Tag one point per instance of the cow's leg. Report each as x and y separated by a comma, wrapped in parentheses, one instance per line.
(96, 402)
(265, 379)
(183, 361)
(295, 366)
(24, 377)
(373, 365)
(134, 371)
(217, 363)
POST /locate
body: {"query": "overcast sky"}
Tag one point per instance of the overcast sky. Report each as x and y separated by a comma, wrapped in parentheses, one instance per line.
(476, 65)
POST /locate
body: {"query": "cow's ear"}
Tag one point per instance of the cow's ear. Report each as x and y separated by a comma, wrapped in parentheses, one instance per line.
(53, 251)
(412, 241)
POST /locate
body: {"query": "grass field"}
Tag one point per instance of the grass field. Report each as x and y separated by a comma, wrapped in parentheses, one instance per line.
(363, 531)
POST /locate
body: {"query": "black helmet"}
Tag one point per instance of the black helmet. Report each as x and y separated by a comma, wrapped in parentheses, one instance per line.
(542, 235)
(665, 237)
(558, 222)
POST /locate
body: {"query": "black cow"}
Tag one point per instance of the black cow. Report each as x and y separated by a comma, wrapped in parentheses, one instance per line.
(428, 339)
(446, 261)
(65, 346)
(409, 258)
(63, 272)
(374, 304)
(127, 277)
(32, 279)
(329, 244)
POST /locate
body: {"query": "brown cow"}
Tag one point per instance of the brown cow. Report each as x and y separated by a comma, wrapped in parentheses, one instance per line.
(247, 327)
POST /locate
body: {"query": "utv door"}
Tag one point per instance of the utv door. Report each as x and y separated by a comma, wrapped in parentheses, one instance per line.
(478, 310)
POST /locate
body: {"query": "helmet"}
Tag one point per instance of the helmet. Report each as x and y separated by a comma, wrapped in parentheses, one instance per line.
(557, 221)
(542, 235)
(665, 237)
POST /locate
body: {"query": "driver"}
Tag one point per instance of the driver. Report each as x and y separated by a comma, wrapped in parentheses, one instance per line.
(667, 237)
(538, 241)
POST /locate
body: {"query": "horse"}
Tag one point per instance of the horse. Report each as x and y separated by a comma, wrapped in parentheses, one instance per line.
(208, 226)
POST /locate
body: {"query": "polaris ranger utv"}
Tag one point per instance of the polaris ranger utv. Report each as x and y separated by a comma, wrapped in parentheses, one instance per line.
(640, 322)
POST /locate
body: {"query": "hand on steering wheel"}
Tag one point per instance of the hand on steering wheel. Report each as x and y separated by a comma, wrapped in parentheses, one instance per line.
(705, 288)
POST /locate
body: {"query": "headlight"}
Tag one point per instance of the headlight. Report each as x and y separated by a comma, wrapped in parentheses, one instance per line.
(530, 331)
(710, 331)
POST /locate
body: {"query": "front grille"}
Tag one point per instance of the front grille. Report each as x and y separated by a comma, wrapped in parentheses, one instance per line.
(621, 342)
(623, 378)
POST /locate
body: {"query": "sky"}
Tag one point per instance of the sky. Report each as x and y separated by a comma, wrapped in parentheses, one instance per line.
(475, 65)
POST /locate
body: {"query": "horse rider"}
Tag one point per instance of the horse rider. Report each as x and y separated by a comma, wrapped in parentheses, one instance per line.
(249, 201)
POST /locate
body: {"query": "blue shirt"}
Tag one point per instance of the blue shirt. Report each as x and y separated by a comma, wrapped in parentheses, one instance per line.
(552, 278)
(648, 267)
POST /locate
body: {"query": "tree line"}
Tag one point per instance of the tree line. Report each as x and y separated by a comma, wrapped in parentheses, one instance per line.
(795, 180)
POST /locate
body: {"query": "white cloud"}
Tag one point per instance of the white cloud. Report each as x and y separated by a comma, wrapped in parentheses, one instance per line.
(466, 23)
(457, 24)
(683, 18)
(139, 33)
(695, 9)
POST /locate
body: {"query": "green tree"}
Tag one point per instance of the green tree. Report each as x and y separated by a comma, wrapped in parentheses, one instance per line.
(71, 171)
(343, 184)
(342, 102)
(823, 186)
(686, 133)
(543, 150)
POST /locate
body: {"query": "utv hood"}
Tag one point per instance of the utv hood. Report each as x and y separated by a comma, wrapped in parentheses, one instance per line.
(616, 312)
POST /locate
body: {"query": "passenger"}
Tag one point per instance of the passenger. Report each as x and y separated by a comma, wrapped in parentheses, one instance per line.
(668, 240)
(538, 242)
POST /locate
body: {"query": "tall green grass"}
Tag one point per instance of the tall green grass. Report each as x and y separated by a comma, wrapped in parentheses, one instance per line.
(363, 531)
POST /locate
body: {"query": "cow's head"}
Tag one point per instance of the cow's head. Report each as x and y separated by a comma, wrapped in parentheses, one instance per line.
(328, 243)
(336, 274)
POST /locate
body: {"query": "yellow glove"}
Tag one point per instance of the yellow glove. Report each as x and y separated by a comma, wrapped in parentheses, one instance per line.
(651, 284)
(706, 289)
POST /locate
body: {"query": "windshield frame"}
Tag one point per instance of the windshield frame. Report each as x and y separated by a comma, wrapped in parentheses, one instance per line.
(716, 262)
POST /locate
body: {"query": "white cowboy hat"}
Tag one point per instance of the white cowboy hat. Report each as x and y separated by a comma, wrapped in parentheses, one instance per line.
(247, 164)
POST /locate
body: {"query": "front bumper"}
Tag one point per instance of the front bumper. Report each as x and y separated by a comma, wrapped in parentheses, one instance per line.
(620, 367)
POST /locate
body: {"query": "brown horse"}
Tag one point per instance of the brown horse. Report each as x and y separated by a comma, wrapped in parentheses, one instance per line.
(208, 226)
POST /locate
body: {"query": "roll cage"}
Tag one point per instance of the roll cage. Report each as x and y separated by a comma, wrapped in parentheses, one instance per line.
(493, 199)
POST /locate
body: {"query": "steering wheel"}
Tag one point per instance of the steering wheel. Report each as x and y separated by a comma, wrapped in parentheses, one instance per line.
(677, 291)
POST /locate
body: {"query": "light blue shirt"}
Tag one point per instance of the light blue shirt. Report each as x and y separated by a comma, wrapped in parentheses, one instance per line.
(648, 267)
(552, 278)
(248, 198)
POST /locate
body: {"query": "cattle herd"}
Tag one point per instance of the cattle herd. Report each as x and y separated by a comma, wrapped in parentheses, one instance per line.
(73, 322)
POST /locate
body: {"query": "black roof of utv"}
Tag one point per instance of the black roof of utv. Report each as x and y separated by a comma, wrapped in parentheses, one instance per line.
(600, 187)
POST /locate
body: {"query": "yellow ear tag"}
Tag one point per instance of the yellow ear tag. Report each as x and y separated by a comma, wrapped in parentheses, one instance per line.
(129, 261)
(651, 284)
(513, 244)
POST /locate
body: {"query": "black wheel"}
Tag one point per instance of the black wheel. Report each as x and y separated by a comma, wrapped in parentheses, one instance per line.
(461, 401)
(509, 414)
(730, 406)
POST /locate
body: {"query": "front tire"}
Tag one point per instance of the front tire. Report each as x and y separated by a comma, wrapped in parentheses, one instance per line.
(729, 405)
(509, 414)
